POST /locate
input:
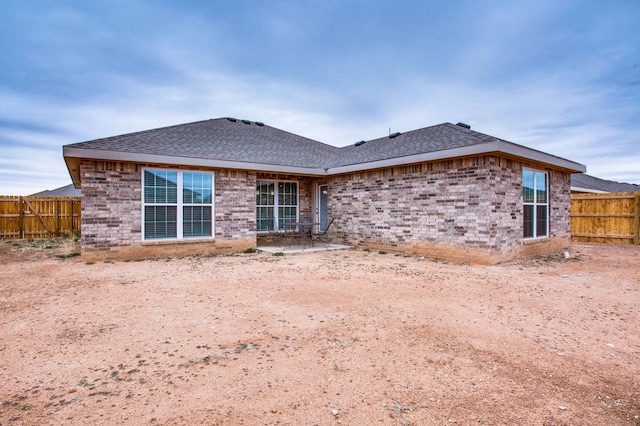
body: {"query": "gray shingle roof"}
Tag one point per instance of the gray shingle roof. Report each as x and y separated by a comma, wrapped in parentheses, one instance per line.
(221, 139)
(584, 181)
(428, 139)
(250, 145)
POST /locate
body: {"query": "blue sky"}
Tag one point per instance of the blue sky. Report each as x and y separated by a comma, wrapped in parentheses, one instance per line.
(561, 76)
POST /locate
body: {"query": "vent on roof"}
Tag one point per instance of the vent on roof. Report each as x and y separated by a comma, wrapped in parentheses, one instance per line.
(466, 126)
(394, 135)
(360, 143)
(246, 121)
(231, 119)
(259, 123)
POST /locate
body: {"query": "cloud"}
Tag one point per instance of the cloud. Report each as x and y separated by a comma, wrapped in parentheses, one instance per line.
(525, 73)
(555, 117)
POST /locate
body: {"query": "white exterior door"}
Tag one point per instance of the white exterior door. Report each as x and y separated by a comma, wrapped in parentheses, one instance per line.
(321, 208)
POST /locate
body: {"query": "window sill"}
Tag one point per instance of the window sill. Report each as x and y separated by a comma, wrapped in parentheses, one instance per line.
(534, 240)
(180, 241)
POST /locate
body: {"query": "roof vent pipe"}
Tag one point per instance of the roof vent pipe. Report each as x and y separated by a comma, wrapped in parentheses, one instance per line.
(394, 135)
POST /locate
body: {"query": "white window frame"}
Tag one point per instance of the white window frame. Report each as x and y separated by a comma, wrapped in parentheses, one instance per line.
(276, 218)
(179, 205)
(536, 203)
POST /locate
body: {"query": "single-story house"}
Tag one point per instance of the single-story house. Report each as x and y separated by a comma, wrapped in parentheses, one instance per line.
(583, 183)
(225, 185)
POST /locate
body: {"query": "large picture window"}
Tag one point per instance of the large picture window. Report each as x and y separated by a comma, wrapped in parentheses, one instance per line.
(535, 196)
(276, 204)
(177, 204)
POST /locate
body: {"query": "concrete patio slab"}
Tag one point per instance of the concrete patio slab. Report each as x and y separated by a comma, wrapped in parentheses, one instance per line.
(303, 249)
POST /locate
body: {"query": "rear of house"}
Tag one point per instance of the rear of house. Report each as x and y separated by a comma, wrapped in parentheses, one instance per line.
(225, 185)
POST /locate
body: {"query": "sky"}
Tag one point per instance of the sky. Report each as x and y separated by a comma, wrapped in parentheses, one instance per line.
(558, 76)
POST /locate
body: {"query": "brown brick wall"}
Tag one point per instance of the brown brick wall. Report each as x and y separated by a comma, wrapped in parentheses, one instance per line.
(111, 207)
(465, 209)
(560, 207)
(235, 205)
(112, 213)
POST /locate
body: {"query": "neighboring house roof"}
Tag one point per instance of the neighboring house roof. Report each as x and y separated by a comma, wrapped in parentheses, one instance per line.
(586, 183)
(63, 191)
(243, 144)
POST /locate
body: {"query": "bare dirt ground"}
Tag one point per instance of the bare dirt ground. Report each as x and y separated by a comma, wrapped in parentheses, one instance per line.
(348, 337)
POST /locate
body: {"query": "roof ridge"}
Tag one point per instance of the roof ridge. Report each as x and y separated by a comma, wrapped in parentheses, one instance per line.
(299, 136)
(402, 133)
(473, 133)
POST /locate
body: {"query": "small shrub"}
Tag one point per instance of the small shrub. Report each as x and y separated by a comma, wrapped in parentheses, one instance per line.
(278, 253)
(84, 383)
(249, 250)
(382, 252)
(67, 256)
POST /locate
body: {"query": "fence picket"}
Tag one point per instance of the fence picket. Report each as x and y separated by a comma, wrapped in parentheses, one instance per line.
(39, 217)
(606, 218)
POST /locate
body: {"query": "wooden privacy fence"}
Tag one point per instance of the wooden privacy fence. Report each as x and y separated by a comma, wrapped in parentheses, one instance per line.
(606, 218)
(38, 217)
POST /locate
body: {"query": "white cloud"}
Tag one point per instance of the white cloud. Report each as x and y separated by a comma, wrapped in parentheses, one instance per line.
(193, 75)
(553, 118)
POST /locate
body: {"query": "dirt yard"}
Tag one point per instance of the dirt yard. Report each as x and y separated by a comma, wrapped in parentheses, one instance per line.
(348, 337)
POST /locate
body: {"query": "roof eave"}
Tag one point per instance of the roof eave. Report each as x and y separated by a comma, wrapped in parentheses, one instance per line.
(539, 156)
(73, 166)
(590, 190)
(497, 146)
(72, 156)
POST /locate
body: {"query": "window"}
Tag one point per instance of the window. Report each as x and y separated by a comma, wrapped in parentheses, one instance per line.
(177, 204)
(535, 196)
(276, 203)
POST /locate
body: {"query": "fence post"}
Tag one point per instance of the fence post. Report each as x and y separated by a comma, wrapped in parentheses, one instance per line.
(21, 217)
(636, 220)
(71, 218)
(56, 220)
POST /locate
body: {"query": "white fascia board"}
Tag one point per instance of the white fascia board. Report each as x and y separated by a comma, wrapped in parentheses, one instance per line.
(542, 157)
(99, 154)
(589, 190)
(479, 149)
(465, 151)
